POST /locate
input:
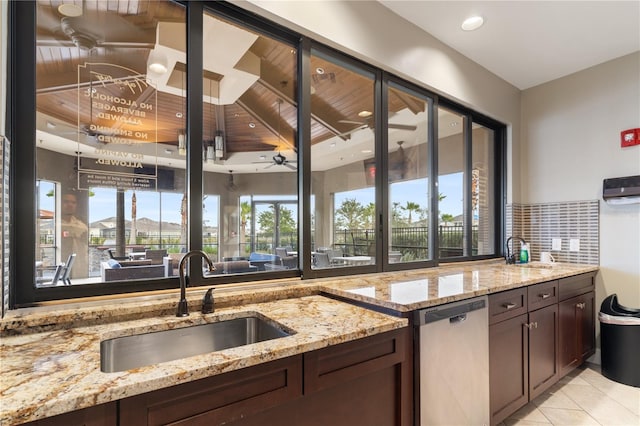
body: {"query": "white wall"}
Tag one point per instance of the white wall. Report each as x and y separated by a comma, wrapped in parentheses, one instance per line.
(369, 31)
(571, 142)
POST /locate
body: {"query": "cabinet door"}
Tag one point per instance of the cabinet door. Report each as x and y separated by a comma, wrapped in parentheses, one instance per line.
(587, 326)
(577, 331)
(219, 399)
(543, 349)
(508, 367)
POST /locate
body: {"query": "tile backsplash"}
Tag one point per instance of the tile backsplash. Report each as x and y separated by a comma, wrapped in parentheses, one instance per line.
(538, 224)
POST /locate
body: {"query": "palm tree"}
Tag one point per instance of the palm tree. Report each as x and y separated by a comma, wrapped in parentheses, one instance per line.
(245, 217)
(411, 207)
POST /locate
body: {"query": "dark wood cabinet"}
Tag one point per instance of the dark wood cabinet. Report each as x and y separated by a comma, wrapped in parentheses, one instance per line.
(369, 372)
(523, 348)
(508, 367)
(219, 399)
(543, 349)
(537, 335)
(577, 331)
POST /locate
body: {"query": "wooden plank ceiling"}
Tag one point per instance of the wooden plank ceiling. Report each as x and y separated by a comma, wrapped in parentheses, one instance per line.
(264, 118)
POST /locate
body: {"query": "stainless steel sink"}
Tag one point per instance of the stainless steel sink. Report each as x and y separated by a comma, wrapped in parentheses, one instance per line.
(127, 352)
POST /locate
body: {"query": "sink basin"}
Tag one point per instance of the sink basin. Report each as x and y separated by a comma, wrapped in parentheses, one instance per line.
(127, 352)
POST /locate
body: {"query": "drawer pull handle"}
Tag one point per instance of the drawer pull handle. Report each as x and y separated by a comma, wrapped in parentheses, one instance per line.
(581, 305)
(509, 305)
(545, 295)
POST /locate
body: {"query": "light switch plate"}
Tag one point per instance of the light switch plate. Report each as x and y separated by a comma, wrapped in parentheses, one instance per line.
(574, 244)
(556, 244)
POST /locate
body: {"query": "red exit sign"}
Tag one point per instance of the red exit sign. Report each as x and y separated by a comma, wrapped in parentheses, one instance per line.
(630, 137)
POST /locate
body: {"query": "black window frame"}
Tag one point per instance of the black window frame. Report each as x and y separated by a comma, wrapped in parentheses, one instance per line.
(21, 127)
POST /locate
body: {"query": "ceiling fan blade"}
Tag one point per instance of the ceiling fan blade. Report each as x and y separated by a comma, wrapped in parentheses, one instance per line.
(352, 122)
(290, 166)
(402, 126)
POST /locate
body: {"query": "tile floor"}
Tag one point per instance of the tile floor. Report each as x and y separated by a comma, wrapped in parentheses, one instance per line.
(583, 397)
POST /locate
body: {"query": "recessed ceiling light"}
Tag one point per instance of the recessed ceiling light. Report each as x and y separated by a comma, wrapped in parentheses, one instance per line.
(472, 23)
(319, 70)
(453, 124)
(51, 125)
(332, 144)
(365, 114)
(263, 157)
(366, 151)
(252, 125)
(69, 9)
(168, 151)
(178, 115)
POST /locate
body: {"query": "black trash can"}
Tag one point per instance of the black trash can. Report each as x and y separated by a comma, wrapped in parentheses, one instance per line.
(620, 341)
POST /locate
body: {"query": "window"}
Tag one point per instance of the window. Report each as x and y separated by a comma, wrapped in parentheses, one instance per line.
(302, 160)
(409, 170)
(343, 152)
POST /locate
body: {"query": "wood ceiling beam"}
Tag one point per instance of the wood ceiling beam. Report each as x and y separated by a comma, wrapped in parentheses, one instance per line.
(272, 79)
(413, 104)
(252, 105)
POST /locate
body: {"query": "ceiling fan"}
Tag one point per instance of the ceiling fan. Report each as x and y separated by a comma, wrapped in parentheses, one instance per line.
(281, 160)
(88, 28)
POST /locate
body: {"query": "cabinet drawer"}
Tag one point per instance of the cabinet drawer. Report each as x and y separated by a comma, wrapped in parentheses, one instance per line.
(218, 399)
(507, 304)
(543, 294)
(576, 285)
(337, 364)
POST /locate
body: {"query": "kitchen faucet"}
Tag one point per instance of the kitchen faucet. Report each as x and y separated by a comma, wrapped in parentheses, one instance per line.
(511, 258)
(183, 309)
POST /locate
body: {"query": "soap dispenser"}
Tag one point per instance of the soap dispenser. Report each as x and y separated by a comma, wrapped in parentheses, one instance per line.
(524, 253)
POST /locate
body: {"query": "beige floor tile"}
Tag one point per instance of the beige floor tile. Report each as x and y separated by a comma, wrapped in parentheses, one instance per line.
(600, 406)
(560, 416)
(556, 399)
(520, 422)
(583, 397)
(529, 413)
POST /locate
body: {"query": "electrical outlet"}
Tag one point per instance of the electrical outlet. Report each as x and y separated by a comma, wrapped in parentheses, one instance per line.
(556, 244)
(574, 244)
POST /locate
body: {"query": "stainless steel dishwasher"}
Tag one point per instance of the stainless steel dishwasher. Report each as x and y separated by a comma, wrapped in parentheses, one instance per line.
(454, 363)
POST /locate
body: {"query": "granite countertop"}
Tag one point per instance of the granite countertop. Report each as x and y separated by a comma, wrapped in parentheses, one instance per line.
(52, 372)
(42, 348)
(406, 291)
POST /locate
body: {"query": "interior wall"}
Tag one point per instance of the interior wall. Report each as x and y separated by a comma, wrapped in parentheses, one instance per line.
(571, 142)
(354, 28)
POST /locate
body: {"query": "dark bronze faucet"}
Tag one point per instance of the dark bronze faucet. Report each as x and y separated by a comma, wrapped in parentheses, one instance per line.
(511, 258)
(183, 309)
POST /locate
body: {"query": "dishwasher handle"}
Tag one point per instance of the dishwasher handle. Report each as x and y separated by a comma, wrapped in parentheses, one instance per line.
(455, 312)
(457, 319)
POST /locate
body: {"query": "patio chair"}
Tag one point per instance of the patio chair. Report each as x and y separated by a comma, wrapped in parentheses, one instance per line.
(54, 281)
(155, 256)
(66, 274)
(117, 258)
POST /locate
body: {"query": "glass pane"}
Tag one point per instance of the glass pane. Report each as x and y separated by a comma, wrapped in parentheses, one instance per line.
(342, 165)
(47, 230)
(110, 124)
(482, 190)
(250, 147)
(408, 172)
(451, 175)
